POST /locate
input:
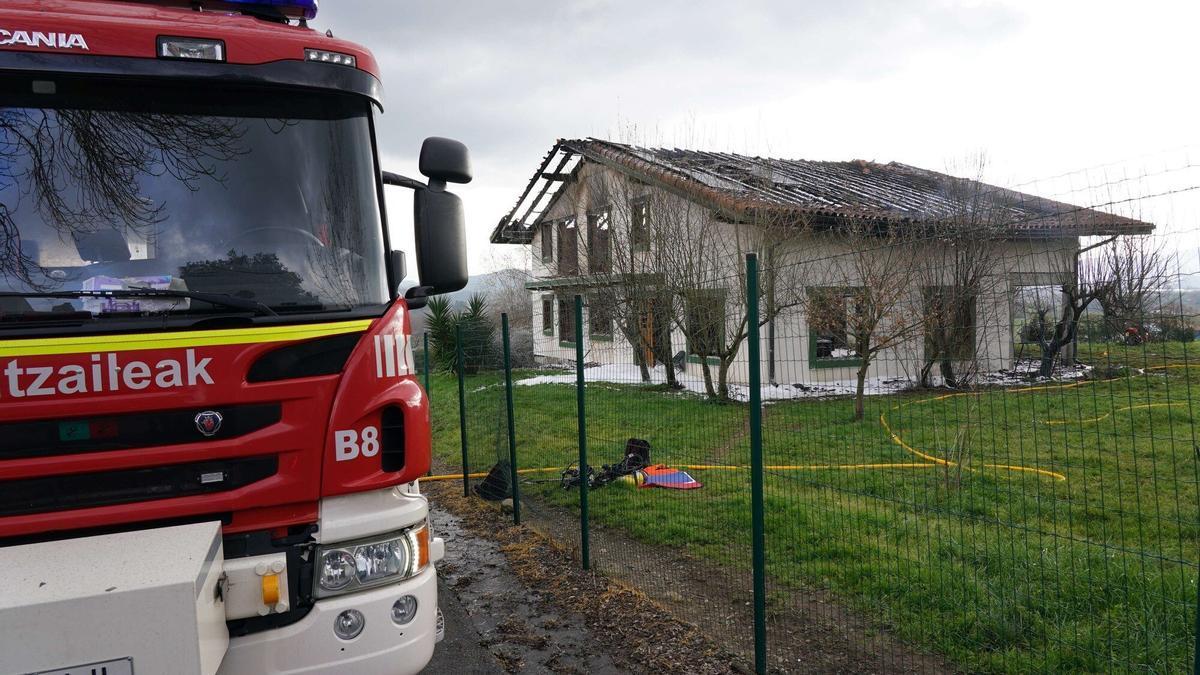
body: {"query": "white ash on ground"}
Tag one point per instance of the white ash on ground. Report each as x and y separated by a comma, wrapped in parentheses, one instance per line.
(1023, 373)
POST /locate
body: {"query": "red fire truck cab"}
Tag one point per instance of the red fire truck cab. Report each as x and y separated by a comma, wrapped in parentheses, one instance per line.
(200, 327)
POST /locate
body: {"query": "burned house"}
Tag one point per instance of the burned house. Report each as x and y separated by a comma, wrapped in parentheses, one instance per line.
(655, 239)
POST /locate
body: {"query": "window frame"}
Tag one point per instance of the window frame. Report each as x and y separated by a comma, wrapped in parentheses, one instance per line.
(566, 316)
(562, 226)
(604, 336)
(547, 240)
(548, 318)
(593, 218)
(815, 362)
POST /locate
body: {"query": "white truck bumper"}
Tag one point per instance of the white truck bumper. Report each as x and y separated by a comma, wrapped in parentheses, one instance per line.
(310, 646)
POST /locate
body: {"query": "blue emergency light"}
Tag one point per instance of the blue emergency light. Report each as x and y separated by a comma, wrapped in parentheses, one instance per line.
(298, 9)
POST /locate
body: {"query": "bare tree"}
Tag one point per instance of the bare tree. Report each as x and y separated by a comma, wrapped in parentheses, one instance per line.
(949, 316)
(668, 262)
(624, 236)
(1124, 271)
(778, 238)
(1136, 268)
(507, 294)
(960, 257)
(1035, 325)
(866, 301)
(1085, 283)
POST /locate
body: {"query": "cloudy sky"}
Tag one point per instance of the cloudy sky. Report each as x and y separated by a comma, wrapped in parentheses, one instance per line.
(1062, 97)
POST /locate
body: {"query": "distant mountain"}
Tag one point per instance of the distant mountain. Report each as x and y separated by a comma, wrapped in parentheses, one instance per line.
(489, 284)
(485, 284)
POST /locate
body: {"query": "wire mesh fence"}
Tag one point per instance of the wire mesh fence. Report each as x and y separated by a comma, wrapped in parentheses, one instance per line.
(1018, 509)
(976, 453)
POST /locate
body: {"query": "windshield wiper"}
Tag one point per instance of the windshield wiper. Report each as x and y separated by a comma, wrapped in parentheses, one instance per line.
(216, 299)
(46, 318)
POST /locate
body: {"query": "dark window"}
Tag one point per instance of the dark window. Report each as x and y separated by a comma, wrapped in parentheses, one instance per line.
(548, 315)
(568, 248)
(547, 233)
(600, 317)
(599, 244)
(830, 339)
(706, 322)
(950, 323)
(566, 319)
(639, 225)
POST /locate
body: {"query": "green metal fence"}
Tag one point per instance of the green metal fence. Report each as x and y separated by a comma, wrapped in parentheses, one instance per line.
(964, 513)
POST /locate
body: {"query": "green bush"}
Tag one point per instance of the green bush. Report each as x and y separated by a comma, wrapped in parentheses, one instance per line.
(478, 334)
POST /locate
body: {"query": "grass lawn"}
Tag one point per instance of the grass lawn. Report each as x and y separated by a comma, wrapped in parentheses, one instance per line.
(972, 554)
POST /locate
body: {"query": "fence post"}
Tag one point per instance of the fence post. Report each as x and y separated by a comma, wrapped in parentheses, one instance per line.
(758, 542)
(428, 396)
(425, 352)
(584, 551)
(512, 429)
(462, 406)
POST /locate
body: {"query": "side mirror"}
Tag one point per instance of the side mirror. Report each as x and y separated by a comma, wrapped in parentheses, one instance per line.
(438, 220)
(399, 266)
(441, 233)
(445, 160)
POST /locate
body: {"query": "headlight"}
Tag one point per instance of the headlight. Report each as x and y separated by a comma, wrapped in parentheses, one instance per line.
(337, 569)
(350, 566)
(385, 559)
(404, 610)
(349, 624)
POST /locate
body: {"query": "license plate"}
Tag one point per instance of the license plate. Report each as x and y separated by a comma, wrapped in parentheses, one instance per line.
(115, 667)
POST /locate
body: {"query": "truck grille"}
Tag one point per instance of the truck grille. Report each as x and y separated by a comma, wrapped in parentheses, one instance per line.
(43, 438)
(75, 491)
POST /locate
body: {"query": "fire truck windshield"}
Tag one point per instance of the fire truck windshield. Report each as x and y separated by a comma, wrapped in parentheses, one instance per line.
(261, 195)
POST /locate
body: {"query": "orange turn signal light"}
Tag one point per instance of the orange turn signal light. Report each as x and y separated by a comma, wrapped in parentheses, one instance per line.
(423, 547)
(270, 589)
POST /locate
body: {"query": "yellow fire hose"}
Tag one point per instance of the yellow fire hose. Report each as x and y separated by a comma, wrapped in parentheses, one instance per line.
(931, 461)
(719, 467)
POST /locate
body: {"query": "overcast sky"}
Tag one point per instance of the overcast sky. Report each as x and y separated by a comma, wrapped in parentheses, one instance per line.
(1041, 87)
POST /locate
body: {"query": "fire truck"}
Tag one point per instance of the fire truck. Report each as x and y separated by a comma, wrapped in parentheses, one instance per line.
(211, 432)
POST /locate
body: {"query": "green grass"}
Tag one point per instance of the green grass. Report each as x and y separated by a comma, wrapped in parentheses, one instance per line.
(998, 570)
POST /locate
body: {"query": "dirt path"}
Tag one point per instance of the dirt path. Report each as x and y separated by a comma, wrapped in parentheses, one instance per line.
(808, 632)
(522, 631)
(461, 652)
(538, 612)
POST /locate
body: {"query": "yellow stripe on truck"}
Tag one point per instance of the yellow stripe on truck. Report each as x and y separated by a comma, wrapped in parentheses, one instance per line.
(178, 340)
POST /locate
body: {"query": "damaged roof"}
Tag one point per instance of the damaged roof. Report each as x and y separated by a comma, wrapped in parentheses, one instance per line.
(741, 188)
